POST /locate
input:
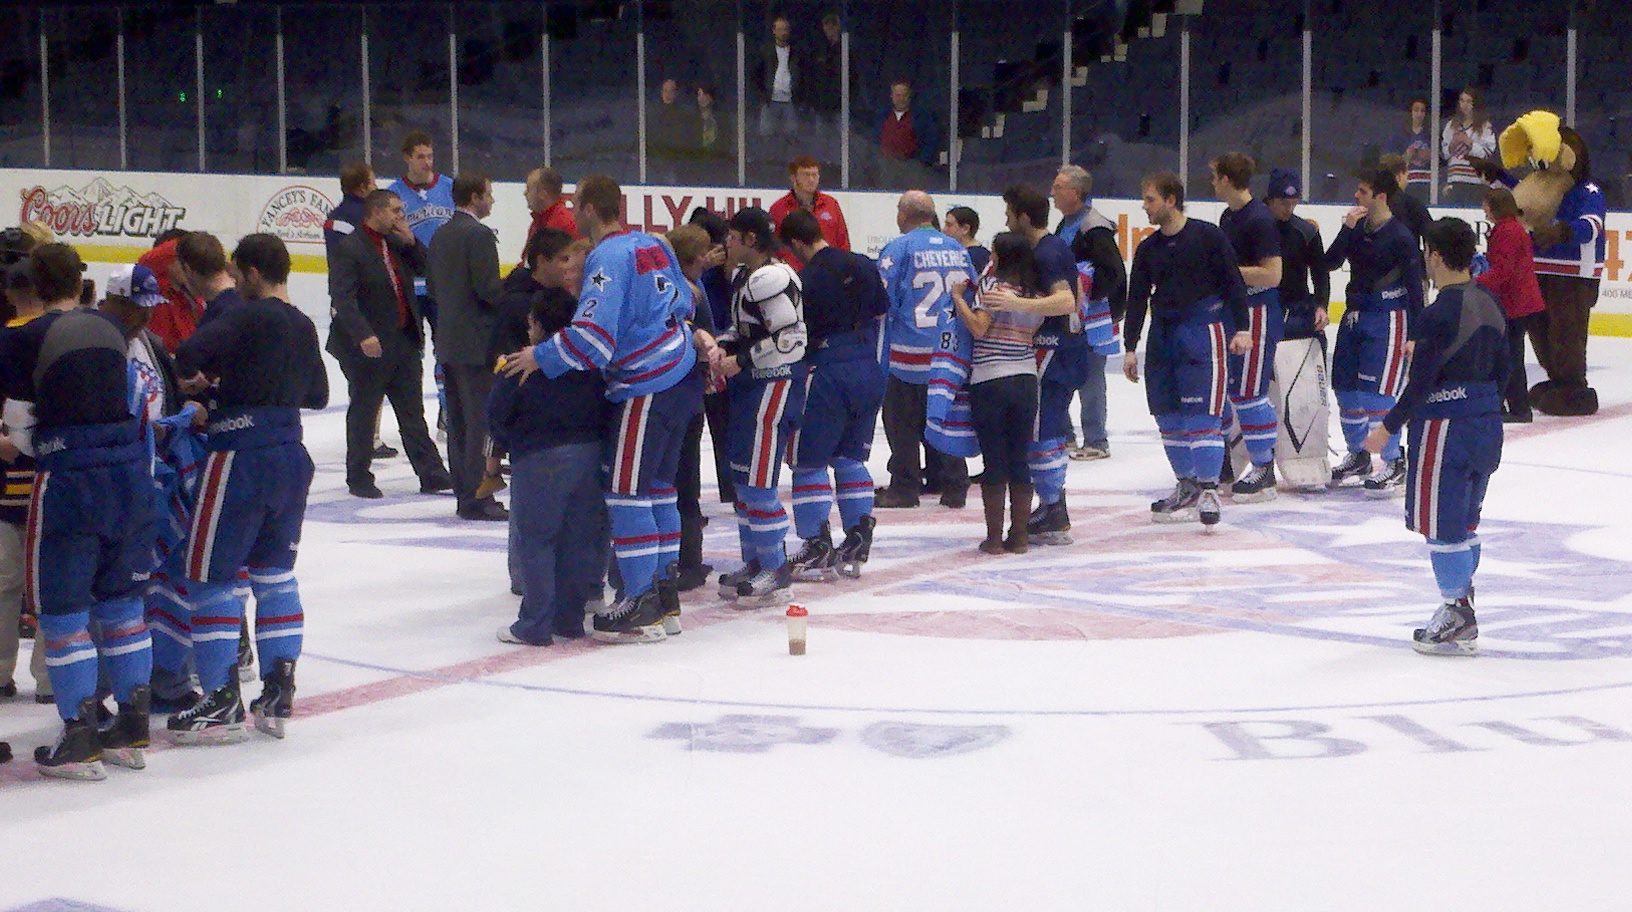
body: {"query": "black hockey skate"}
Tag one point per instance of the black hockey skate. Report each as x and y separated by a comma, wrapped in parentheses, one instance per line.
(246, 655)
(667, 586)
(1207, 508)
(631, 620)
(814, 562)
(1049, 525)
(1452, 631)
(1255, 485)
(125, 737)
(216, 719)
(277, 700)
(730, 581)
(78, 752)
(1179, 506)
(855, 549)
(1389, 480)
(767, 588)
(1353, 465)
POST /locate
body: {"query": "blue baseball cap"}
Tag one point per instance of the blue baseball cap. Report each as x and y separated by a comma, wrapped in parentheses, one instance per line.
(1284, 184)
(137, 283)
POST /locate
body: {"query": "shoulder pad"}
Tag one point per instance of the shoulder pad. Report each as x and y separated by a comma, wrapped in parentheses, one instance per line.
(771, 280)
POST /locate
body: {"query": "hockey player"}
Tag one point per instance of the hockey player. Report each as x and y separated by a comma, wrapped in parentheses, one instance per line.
(1186, 275)
(1257, 245)
(1384, 295)
(761, 355)
(1298, 391)
(630, 324)
(263, 356)
(918, 268)
(843, 299)
(1453, 404)
(89, 544)
(427, 203)
(1064, 355)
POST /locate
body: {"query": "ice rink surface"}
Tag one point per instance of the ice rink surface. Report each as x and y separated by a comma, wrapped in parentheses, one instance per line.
(1149, 719)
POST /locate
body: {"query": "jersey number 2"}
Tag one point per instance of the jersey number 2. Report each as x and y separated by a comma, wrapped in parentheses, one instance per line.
(934, 284)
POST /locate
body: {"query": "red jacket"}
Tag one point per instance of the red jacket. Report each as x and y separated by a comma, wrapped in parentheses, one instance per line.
(1512, 274)
(828, 215)
(175, 319)
(556, 216)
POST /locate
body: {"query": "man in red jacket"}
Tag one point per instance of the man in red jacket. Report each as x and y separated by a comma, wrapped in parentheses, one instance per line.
(1511, 279)
(175, 319)
(805, 174)
(549, 207)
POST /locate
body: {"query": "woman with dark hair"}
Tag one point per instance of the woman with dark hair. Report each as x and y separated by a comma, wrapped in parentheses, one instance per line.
(1417, 148)
(1511, 279)
(1467, 136)
(1003, 388)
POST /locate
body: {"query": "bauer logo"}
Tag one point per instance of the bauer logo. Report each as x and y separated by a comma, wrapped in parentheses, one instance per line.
(100, 209)
(296, 214)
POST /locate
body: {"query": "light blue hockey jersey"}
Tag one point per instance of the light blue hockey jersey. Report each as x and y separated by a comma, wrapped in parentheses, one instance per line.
(919, 268)
(427, 209)
(631, 319)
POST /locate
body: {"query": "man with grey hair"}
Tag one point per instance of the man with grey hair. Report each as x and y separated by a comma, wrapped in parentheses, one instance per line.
(1092, 237)
(918, 268)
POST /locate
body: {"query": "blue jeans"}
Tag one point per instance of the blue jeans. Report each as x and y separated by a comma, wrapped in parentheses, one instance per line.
(561, 538)
(1093, 403)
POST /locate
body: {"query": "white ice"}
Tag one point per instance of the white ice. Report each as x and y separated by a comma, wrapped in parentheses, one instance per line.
(1149, 719)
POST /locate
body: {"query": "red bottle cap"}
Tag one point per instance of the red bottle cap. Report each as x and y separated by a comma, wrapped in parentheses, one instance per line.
(795, 611)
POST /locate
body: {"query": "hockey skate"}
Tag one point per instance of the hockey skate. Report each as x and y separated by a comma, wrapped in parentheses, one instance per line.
(767, 588)
(855, 549)
(631, 620)
(246, 655)
(814, 562)
(1255, 485)
(667, 586)
(78, 753)
(1389, 481)
(277, 700)
(1353, 465)
(1049, 524)
(1179, 506)
(216, 719)
(125, 737)
(1452, 631)
(1207, 508)
(730, 581)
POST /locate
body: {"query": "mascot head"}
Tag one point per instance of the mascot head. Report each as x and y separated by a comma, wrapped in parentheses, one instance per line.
(1557, 157)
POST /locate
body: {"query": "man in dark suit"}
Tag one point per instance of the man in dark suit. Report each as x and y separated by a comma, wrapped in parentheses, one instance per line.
(464, 280)
(378, 337)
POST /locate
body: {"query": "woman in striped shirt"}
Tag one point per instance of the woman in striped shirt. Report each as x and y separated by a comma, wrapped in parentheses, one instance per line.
(1003, 388)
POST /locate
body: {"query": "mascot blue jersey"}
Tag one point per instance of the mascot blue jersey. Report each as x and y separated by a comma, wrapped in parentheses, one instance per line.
(631, 319)
(919, 268)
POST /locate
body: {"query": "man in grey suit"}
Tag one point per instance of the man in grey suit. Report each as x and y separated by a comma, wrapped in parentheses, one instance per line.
(378, 336)
(464, 281)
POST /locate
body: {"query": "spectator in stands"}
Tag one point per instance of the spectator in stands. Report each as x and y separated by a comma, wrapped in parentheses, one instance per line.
(548, 206)
(962, 224)
(1511, 279)
(715, 136)
(1416, 147)
(1467, 135)
(778, 81)
(668, 127)
(175, 319)
(906, 135)
(806, 175)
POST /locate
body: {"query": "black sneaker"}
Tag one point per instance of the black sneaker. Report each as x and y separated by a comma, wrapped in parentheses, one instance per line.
(367, 490)
(1256, 485)
(277, 700)
(768, 587)
(1389, 480)
(1050, 525)
(78, 752)
(730, 581)
(855, 549)
(1179, 506)
(1353, 465)
(246, 654)
(667, 587)
(814, 562)
(1452, 630)
(693, 577)
(955, 498)
(216, 719)
(384, 451)
(890, 498)
(126, 736)
(636, 620)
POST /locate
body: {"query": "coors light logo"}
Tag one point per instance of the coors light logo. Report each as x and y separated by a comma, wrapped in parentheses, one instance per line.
(101, 209)
(296, 214)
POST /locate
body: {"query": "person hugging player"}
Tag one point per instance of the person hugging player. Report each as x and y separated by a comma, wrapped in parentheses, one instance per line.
(1453, 405)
